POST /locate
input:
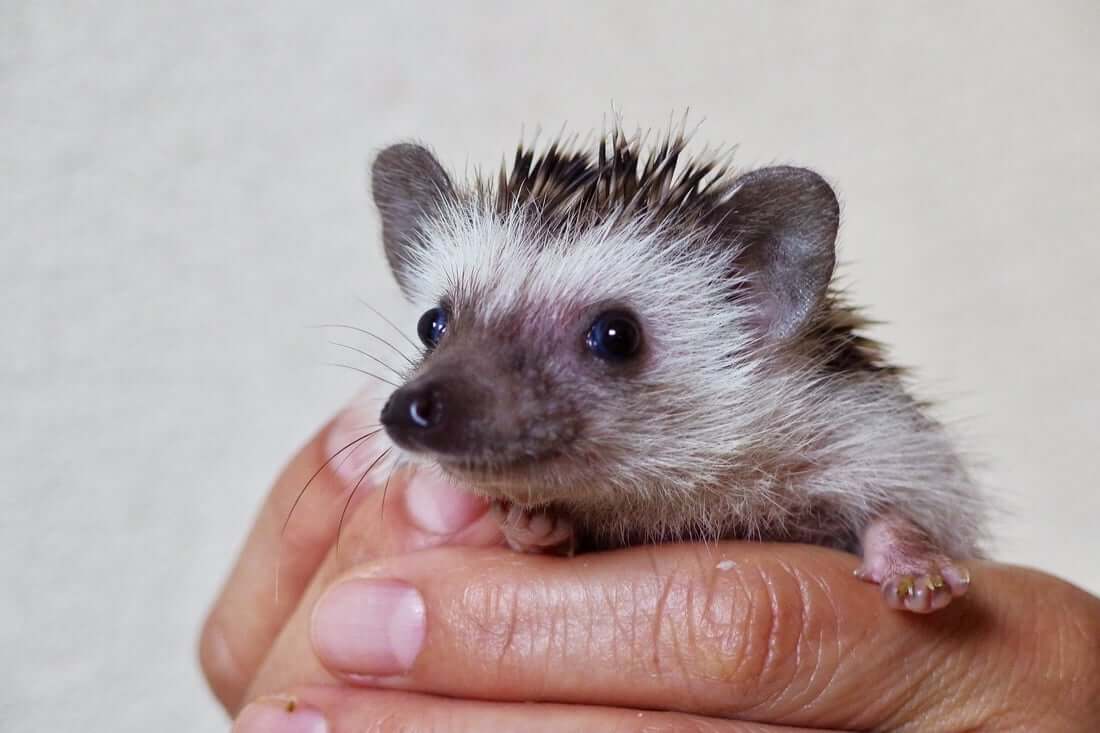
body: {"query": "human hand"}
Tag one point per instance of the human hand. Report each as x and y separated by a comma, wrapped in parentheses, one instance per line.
(777, 634)
(295, 539)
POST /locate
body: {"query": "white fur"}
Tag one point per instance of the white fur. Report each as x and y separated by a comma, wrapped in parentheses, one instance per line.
(722, 437)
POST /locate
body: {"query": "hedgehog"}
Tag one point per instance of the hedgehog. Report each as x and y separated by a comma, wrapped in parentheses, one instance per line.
(627, 344)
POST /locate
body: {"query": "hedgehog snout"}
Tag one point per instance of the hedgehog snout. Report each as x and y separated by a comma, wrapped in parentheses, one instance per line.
(418, 408)
(439, 413)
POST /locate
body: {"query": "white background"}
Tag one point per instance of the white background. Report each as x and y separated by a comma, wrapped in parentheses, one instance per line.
(182, 195)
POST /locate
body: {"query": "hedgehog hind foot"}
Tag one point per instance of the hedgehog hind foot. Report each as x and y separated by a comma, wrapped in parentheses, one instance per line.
(911, 571)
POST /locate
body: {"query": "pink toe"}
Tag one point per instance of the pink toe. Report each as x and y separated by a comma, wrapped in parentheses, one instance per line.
(920, 600)
(957, 578)
(891, 596)
(940, 599)
(540, 525)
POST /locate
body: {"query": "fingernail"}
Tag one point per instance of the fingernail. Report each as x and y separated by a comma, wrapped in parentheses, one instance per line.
(350, 445)
(372, 628)
(438, 506)
(279, 715)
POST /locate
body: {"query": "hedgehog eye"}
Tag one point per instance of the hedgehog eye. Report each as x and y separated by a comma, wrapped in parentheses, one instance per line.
(614, 336)
(431, 327)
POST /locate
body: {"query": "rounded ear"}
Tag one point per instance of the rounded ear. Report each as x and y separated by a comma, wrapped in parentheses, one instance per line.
(409, 187)
(784, 221)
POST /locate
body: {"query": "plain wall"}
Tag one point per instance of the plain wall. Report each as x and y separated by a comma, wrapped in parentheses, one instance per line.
(182, 193)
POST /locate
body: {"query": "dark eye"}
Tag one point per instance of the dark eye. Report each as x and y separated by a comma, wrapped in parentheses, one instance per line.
(431, 327)
(614, 336)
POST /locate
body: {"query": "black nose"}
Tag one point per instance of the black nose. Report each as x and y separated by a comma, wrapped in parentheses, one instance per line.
(413, 407)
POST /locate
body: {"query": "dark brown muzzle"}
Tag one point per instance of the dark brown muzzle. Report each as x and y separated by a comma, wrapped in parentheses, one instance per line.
(480, 402)
(437, 413)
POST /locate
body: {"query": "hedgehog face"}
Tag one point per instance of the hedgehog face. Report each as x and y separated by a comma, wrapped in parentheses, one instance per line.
(574, 344)
(490, 392)
(552, 361)
(518, 396)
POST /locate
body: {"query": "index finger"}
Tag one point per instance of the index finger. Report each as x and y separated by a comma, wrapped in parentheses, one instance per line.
(781, 634)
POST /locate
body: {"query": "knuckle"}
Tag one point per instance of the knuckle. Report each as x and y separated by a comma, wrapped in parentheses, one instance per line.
(524, 630)
(744, 628)
(774, 626)
(667, 638)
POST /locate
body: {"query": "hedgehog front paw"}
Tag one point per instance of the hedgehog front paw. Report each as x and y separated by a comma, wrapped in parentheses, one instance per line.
(921, 591)
(531, 531)
(911, 572)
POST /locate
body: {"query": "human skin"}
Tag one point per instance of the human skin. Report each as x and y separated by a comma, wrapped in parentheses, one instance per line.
(417, 619)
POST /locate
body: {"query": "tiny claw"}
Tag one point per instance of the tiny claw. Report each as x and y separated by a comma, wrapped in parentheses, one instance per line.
(960, 578)
(905, 587)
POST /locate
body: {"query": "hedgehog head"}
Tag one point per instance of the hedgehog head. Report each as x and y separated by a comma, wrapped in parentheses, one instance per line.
(603, 319)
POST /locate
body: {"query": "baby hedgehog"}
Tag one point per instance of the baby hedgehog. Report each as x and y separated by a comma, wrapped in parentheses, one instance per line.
(625, 347)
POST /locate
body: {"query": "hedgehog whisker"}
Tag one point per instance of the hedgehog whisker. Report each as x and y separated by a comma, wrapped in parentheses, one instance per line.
(369, 355)
(385, 490)
(392, 325)
(350, 446)
(343, 514)
(373, 335)
(317, 473)
(362, 371)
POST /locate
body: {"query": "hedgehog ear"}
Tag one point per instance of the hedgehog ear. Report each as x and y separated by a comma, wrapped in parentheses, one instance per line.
(785, 222)
(409, 187)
